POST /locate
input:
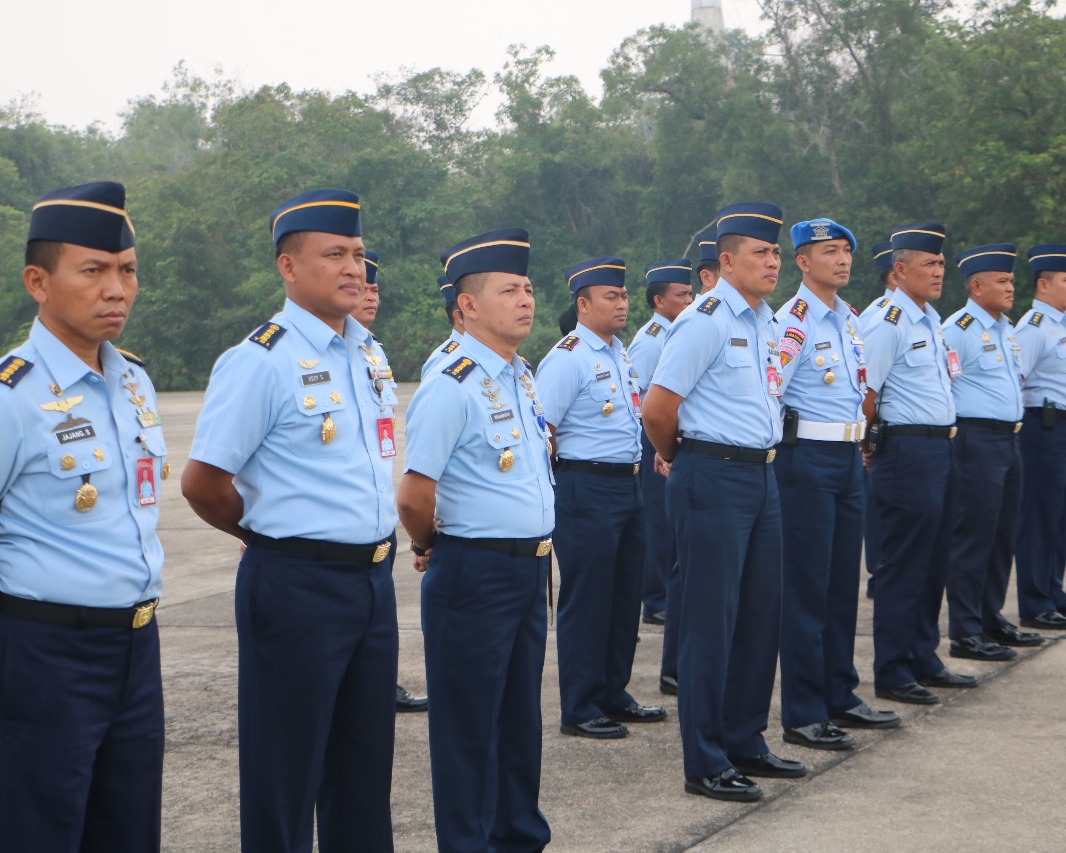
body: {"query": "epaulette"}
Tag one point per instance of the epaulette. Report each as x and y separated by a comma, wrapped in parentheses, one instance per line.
(460, 369)
(375, 337)
(568, 343)
(129, 356)
(851, 308)
(653, 329)
(267, 335)
(964, 321)
(12, 369)
(893, 315)
(884, 302)
(799, 308)
(525, 361)
(710, 305)
(1036, 319)
(449, 347)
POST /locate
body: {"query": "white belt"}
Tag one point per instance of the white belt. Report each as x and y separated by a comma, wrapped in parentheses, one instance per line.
(818, 431)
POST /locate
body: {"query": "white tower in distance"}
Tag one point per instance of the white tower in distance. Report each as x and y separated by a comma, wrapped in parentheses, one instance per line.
(708, 14)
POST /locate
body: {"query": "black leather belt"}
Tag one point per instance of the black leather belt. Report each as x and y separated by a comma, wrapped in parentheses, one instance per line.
(728, 451)
(992, 423)
(534, 547)
(75, 616)
(606, 469)
(922, 430)
(1036, 411)
(318, 549)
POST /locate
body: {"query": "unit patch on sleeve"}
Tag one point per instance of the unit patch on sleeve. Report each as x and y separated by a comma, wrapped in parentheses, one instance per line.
(460, 369)
(267, 335)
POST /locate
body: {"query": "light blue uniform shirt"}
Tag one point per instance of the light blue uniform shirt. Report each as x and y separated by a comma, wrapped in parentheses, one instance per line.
(263, 419)
(1043, 343)
(990, 385)
(442, 352)
(467, 423)
(379, 374)
(821, 356)
(716, 357)
(110, 555)
(587, 388)
(908, 358)
(647, 347)
(874, 309)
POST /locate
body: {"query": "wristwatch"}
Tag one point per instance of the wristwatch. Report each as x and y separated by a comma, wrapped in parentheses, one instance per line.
(421, 552)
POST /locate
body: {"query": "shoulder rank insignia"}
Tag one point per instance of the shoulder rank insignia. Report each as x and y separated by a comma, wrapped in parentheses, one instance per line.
(460, 369)
(710, 305)
(893, 315)
(12, 369)
(799, 308)
(449, 347)
(1036, 319)
(653, 329)
(851, 308)
(884, 302)
(267, 335)
(569, 342)
(129, 356)
(525, 361)
(964, 321)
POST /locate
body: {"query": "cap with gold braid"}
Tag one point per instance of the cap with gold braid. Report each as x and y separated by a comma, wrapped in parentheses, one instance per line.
(669, 272)
(708, 248)
(756, 219)
(608, 271)
(921, 237)
(881, 253)
(328, 211)
(995, 257)
(372, 261)
(447, 289)
(1050, 257)
(505, 250)
(92, 215)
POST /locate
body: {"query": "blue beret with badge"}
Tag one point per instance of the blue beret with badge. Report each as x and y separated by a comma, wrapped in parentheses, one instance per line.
(995, 257)
(881, 253)
(92, 215)
(327, 211)
(818, 230)
(1050, 257)
(447, 289)
(679, 271)
(371, 260)
(920, 237)
(756, 219)
(505, 250)
(608, 271)
(708, 248)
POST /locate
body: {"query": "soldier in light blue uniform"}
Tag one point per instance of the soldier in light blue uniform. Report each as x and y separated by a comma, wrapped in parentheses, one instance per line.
(477, 499)
(1041, 545)
(708, 268)
(293, 455)
(668, 290)
(591, 401)
(455, 318)
(988, 407)
(820, 477)
(717, 387)
(881, 255)
(911, 421)
(82, 458)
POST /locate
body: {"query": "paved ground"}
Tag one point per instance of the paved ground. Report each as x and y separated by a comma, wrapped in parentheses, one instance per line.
(979, 772)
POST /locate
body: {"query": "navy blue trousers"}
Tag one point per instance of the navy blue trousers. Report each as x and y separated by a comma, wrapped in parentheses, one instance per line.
(871, 540)
(822, 508)
(599, 543)
(660, 554)
(727, 520)
(672, 629)
(1041, 545)
(989, 469)
(81, 738)
(316, 703)
(484, 619)
(913, 482)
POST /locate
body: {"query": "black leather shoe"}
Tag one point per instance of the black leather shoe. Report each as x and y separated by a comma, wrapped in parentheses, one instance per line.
(1009, 635)
(405, 702)
(634, 712)
(728, 785)
(818, 736)
(978, 648)
(667, 685)
(1049, 620)
(656, 618)
(947, 678)
(913, 694)
(600, 728)
(864, 717)
(769, 766)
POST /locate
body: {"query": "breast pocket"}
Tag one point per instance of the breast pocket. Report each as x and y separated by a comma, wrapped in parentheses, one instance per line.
(601, 391)
(827, 367)
(990, 360)
(919, 357)
(739, 380)
(81, 475)
(324, 427)
(504, 452)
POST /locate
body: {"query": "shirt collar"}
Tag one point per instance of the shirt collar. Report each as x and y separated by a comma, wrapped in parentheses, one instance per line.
(738, 304)
(911, 309)
(593, 340)
(492, 363)
(819, 309)
(316, 331)
(983, 317)
(656, 317)
(1048, 311)
(66, 368)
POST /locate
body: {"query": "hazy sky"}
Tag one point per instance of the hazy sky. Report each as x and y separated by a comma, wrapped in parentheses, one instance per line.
(81, 62)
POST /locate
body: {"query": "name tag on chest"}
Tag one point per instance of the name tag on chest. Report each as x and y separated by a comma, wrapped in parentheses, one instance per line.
(315, 378)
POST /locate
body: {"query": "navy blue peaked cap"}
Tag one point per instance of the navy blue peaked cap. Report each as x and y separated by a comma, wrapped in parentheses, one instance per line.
(505, 250)
(328, 211)
(92, 215)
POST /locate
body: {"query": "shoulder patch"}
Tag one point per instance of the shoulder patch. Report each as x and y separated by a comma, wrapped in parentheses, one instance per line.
(267, 335)
(893, 315)
(12, 369)
(964, 321)
(799, 308)
(653, 329)
(568, 343)
(525, 361)
(851, 308)
(460, 369)
(129, 356)
(1036, 319)
(883, 302)
(449, 347)
(794, 334)
(710, 306)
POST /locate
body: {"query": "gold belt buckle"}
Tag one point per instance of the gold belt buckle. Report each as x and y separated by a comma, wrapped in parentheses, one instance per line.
(1017, 427)
(381, 551)
(953, 432)
(636, 468)
(770, 454)
(143, 614)
(849, 432)
(544, 547)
